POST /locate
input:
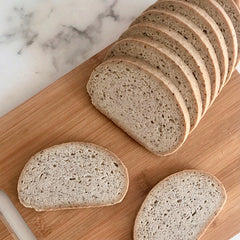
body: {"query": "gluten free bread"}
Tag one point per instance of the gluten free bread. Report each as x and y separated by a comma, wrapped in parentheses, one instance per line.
(182, 48)
(207, 25)
(180, 207)
(193, 35)
(190, 47)
(142, 101)
(168, 63)
(216, 11)
(233, 11)
(72, 175)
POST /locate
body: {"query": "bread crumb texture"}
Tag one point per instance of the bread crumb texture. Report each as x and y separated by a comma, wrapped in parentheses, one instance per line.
(180, 207)
(139, 103)
(72, 175)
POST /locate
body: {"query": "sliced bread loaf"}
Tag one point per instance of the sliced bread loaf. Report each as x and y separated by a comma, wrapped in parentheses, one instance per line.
(207, 25)
(143, 102)
(216, 11)
(182, 48)
(233, 11)
(193, 35)
(166, 61)
(72, 175)
(180, 207)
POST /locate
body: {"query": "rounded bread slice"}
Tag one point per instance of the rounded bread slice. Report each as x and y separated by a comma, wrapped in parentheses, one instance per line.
(168, 63)
(207, 25)
(141, 101)
(187, 29)
(182, 48)
(233, 11)
(180, 206)
(72, 175)
(216, 11)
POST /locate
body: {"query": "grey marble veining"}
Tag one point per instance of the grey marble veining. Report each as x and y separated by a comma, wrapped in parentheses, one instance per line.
(42, 40)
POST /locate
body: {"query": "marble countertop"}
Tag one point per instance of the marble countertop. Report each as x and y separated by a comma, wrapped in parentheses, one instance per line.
(42, 40)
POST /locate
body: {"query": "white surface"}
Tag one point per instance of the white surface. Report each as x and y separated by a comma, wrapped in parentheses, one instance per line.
(13, 219)
(42, 40)
(237, 237)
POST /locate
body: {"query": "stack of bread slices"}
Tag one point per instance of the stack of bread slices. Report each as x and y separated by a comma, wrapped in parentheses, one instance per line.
(165, 71)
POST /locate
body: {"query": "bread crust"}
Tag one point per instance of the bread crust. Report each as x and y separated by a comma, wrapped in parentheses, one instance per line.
(151, 71)
(185, 47)
(176, 174)
(174, 60)
(200, 17)
(82, 205)
(233, 11)
(203, 45)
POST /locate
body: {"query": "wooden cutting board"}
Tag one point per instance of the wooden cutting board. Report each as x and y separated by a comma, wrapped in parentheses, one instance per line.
(62, 112)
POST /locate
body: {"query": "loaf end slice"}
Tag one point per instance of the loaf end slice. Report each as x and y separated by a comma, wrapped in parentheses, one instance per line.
(141, 101)
(181, 206)
(72, 175)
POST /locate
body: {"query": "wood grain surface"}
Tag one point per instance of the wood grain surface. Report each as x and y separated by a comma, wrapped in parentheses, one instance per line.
(62, 112)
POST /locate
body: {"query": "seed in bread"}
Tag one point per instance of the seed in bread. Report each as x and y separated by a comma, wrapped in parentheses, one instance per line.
(72, 175)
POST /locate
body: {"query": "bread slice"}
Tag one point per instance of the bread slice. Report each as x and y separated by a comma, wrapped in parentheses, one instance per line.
(72, 175)
(141, 101)
(180, 207)
(216, 11)
(182, 48)
(207, 25)
(233, 11)
(193, 35)
(166, 61)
